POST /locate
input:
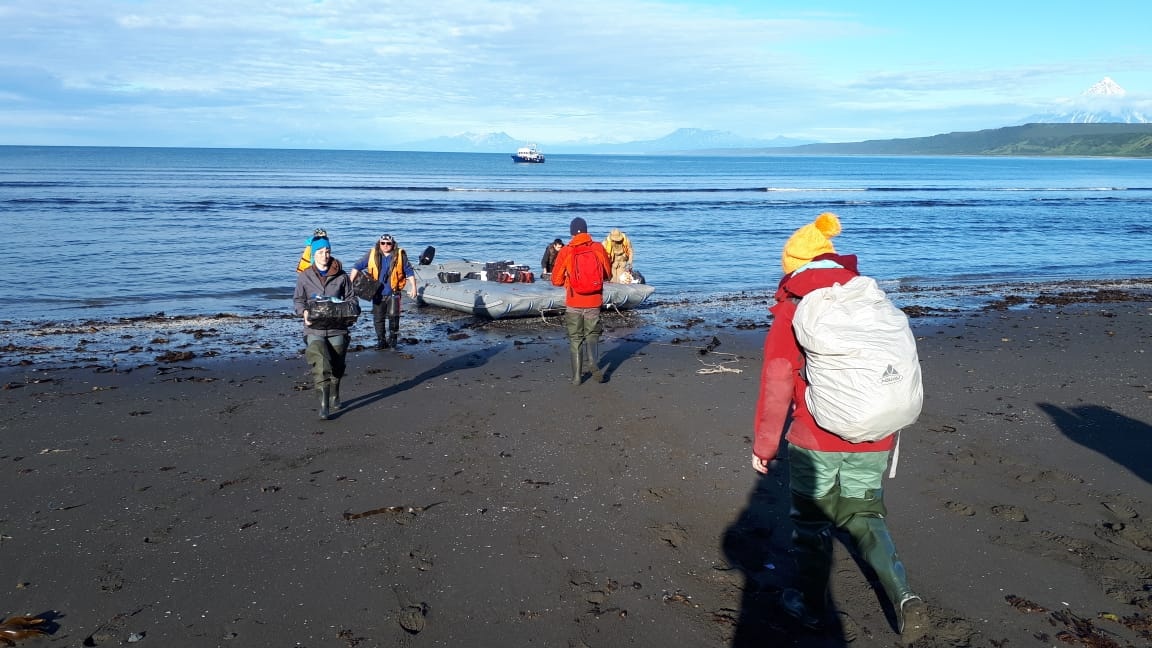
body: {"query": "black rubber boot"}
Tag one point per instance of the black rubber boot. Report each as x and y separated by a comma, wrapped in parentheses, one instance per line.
(394, 328)
(592, 349)
(577, 372)
(812, 552)
(876, 547)
(325, 396)
(378, 324)
(334, 397)
(792, 602)
(912, 620)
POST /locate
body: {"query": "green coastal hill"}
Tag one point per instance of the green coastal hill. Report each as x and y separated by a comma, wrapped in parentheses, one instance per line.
(1108, 140)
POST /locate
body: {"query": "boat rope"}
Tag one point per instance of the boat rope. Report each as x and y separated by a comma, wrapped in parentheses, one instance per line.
(718, 367)
(709, 367)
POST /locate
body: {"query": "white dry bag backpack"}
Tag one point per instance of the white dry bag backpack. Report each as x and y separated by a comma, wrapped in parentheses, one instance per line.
(862, 369)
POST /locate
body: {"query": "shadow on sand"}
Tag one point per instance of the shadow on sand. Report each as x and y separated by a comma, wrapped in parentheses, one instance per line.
(757, 544)
(1124, 440)
(469, 360)
(612, 358)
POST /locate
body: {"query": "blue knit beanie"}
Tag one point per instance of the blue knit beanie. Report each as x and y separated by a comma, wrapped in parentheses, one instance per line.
(578, 226)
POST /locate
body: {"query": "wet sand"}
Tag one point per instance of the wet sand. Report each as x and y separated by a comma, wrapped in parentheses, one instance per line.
(468, 495)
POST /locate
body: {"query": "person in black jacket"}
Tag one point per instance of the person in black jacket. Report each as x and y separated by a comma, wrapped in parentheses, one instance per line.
(549, 259)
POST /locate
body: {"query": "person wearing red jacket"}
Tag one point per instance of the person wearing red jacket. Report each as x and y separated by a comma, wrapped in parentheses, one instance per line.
(834, 482)
(582, 311)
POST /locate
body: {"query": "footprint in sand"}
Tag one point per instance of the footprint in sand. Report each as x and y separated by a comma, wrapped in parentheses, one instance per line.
(1122, 511)
(960, 508)
(111, 580)
(421, 559)
(672, 533)
(1122, 534)
(596, 591)
(1038, 476)
(412, 618)
(1009, 513)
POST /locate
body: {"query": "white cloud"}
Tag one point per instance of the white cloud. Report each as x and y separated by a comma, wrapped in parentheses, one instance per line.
(378, 72)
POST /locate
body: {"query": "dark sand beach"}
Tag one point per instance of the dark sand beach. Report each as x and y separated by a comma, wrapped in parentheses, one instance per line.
(468, 495)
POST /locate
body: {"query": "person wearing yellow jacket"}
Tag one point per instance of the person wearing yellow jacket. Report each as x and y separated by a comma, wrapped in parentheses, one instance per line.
(619, 250)
(388, 264)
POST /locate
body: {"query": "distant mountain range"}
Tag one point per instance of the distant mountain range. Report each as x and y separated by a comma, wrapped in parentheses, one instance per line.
(1107, 140)
(679, 141)
(1082, 139)
(1100, 122)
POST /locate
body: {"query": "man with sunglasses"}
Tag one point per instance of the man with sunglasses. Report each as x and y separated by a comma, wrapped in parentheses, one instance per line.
(388, 264)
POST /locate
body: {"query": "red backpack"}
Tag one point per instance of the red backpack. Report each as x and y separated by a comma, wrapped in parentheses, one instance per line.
(587, 276)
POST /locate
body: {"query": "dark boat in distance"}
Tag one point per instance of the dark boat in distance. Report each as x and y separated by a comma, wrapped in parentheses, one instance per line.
(528, 154)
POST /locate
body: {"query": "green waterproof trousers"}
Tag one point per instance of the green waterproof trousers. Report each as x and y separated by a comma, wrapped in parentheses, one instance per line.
(841, 490)
(584, 329)
(325, 355)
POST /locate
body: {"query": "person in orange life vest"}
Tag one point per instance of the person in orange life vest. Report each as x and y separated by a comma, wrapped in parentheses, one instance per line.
(834, 483)
(325, 348)
(387, 263)
(582, 312)
(619, 250)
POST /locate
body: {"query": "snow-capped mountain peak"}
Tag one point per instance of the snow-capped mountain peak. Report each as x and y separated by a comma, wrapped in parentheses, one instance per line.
(1105, 87)
(1104, 102)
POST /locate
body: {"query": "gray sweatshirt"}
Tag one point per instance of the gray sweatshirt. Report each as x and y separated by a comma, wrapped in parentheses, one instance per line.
(310, 283)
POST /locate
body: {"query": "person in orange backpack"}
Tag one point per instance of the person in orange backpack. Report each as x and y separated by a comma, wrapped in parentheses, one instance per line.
(582, 267)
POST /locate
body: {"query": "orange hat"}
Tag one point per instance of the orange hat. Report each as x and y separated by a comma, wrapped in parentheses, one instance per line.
(810, 241)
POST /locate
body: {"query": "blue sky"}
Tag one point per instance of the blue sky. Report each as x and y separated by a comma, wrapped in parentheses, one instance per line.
(377, 73)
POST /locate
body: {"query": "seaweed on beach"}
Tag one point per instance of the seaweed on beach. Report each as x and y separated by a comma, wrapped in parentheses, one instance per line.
(348, 515)
(1094, 296)
(1023, 604)
(16, 628)
(175, 356)
(1139, 623)
(1079, 631)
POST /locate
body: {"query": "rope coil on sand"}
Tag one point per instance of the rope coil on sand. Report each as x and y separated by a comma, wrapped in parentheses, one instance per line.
(718, 367)
(709, 349)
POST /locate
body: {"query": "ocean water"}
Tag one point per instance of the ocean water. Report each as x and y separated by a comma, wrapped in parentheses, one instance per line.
(102, 233)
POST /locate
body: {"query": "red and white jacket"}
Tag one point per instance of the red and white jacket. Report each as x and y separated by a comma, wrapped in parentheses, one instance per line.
(782, 386)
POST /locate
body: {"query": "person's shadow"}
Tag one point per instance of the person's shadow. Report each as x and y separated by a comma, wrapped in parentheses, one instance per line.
(465, 361)
(1124, 440)
(757, 544)
(612, 358)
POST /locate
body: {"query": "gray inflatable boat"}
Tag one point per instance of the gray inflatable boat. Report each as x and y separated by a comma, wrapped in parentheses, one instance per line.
(456, 285)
